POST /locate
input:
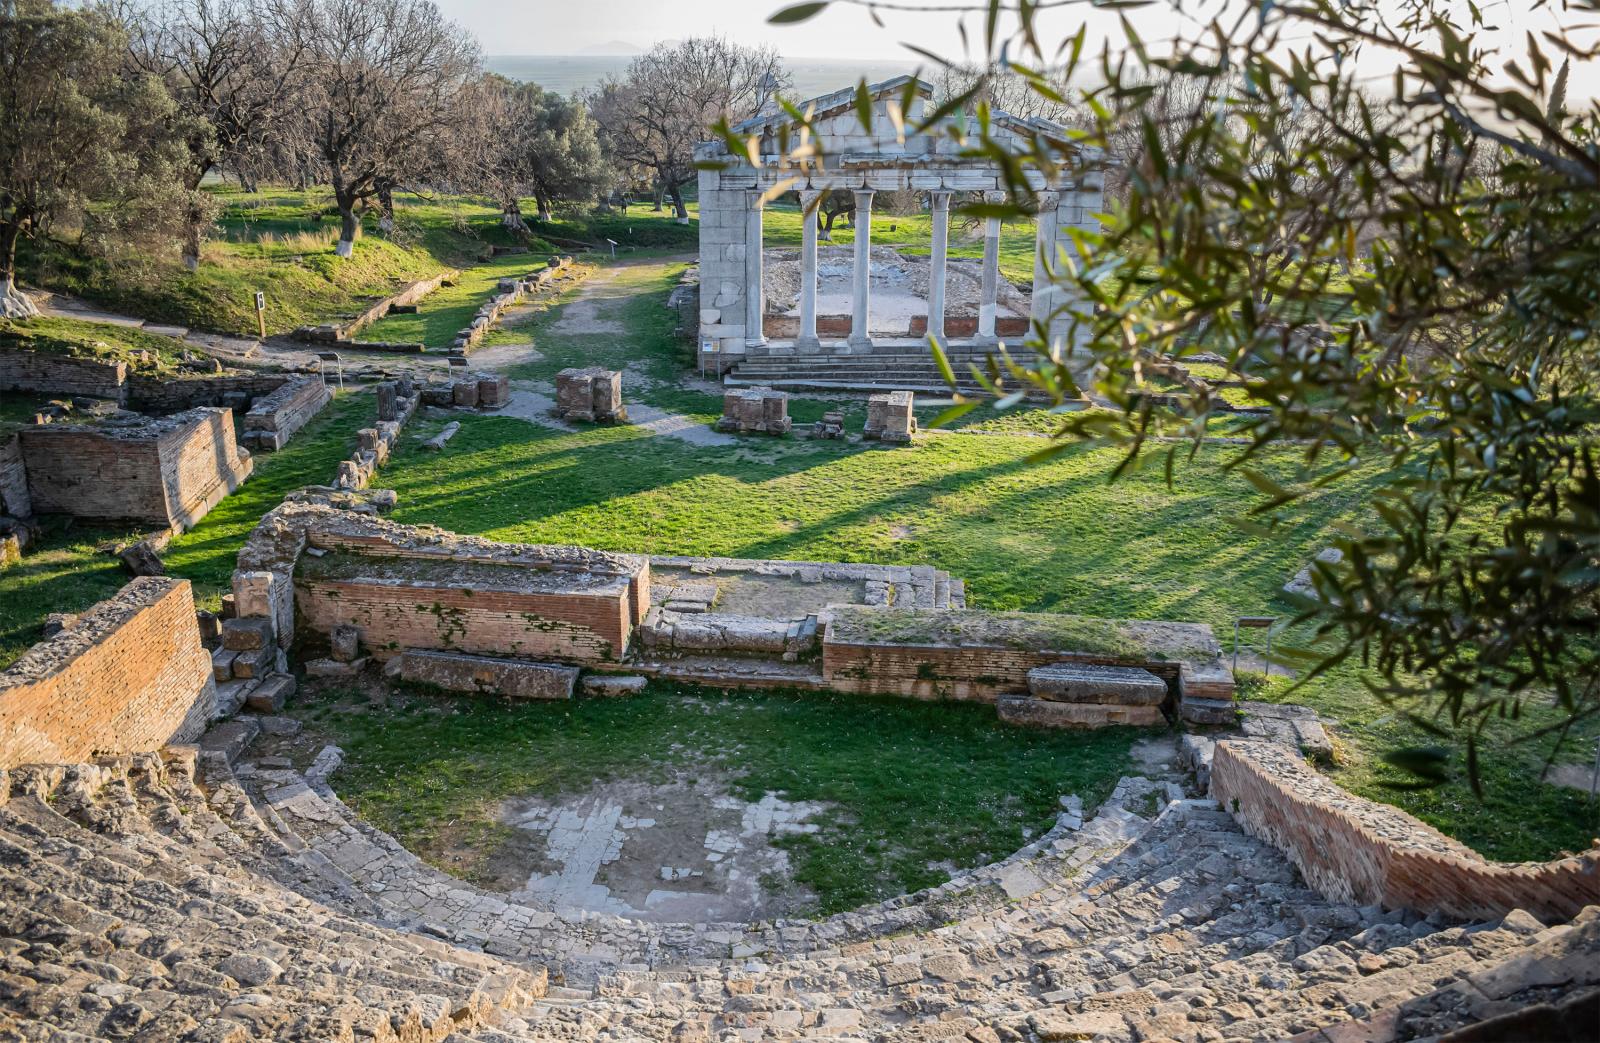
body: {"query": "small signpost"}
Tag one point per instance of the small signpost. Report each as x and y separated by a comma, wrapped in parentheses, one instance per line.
(1253, 623)
(325, 357)
(261, 313)
(456, 361)
(707, 347)
(613, 243)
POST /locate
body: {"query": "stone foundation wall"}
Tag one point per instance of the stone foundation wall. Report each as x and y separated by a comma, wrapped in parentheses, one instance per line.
(14, 499)
(429, 589)
(274, 418)
(167, 472)
(44, 374)
(1356, 850)
(129, 676)
(164, 395)
(977, 656)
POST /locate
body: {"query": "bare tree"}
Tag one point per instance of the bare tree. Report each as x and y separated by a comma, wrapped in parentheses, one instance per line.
(381, 77)
(233, 82)
(654, 116)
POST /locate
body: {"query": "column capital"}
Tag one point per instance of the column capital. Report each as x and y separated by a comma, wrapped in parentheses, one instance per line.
(753, 198)
(1048, 200)
(940, 198)
(864, 196)
(996, 197)
(809, 196)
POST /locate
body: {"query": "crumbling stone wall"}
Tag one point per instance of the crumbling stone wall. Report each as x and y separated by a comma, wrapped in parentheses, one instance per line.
(1355, 850)
(977, 656)
(14, 499)
(166, 471)
(169, 394)
(419, 587)
(41, 373)
(274, 418)
(129, 676)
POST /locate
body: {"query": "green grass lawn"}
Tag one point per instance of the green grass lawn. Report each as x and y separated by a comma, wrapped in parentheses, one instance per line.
(98, 341)
(70, 569)
(912, 787)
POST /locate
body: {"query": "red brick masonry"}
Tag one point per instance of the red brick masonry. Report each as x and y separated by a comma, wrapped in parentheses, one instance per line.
(1356, 850)
(128, 677)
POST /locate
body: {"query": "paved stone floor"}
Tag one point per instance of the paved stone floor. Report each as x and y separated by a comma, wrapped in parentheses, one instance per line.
(684, 851)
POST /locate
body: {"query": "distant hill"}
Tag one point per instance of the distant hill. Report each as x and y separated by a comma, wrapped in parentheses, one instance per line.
(567, 74)
(611, 49)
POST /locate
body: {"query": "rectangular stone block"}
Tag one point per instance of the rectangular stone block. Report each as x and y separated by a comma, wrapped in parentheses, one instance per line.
(255, 663)
(1042, 713)
(246, 635)
(1081, 683)
(252, 595)
(456, 672)
(890, 417)
(494, 390)
(464, 394)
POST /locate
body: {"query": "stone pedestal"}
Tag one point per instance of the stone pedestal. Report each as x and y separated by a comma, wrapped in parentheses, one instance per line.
(388, 398)
(755, 410)
(494, 390)
(830, 426)
(889, 417)
(591, 395)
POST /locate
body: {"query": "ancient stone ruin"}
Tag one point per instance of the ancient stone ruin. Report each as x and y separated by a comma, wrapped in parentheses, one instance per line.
(757, 410)
(890, 417)
(591, 396)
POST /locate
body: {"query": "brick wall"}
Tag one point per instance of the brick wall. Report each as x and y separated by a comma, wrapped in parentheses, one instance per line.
(1356, 850)
(130, 676)
(589, 627)
(168, 471)
(200, 464)
(77, 470)
(46, 374)
(14, 499)
(163, 395)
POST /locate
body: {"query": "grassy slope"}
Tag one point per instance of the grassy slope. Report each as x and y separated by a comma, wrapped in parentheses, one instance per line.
(913, 785)
(1055, 536)
(103, 342)
(68, 571)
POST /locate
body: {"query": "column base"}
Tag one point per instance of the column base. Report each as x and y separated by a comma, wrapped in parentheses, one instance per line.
(807, 346)
(757, 342)
(860, 343)
(985, 340)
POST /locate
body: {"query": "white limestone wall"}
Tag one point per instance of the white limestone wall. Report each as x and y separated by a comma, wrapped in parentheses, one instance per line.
(723, 229)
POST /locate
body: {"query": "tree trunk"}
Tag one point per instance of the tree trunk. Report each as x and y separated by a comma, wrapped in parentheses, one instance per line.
(511, 217)
(661, 199)
(678, 208)
(349, 228)
(386, 209)
(14, 304)
(546, 213)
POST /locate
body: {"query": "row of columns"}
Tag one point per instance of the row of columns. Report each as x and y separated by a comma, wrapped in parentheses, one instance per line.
(861, 299)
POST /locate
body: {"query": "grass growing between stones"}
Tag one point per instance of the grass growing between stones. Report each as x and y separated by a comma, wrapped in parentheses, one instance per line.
(912, 787)
(70, 569)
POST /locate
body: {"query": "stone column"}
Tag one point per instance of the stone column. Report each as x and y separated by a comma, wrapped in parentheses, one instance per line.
(989, 303)
(755, 298)
(807, 340)
(862, 298)
(1044, 259)
(937, 271)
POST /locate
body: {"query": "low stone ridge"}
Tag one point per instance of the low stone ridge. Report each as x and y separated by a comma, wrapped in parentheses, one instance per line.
(665, 631)
(1079, 683)
(275, 418)
(1357, 850)
(1044, 713)
(513, 678)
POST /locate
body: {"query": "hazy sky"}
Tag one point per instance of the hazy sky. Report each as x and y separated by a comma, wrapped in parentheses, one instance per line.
(574, 26)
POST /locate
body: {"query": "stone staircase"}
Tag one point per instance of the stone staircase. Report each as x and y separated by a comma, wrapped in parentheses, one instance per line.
(131, 911)
(893, 366)
(140, 903)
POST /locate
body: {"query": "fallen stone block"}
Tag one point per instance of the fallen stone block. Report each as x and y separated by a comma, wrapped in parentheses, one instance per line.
(252, 595)
(436, 443)
(1082, 683)
(1042, 713)
(457, 672)
(222, 664)
(346, 642)
(229, 739)
(890, 417)
(210, 628)
(256, 663)
(333, 668)
(1208, 711)
(494, 390)
(271, 695)
(141, 559)
(1291, 725)
(611, 686)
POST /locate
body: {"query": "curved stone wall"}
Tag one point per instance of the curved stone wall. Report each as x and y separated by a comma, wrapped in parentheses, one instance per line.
(1356, 850)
